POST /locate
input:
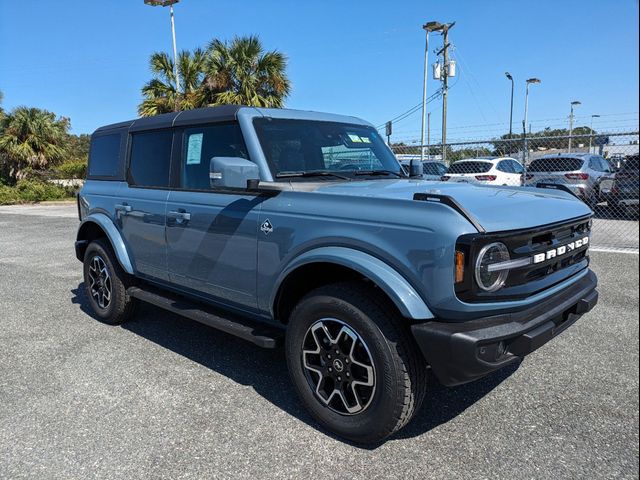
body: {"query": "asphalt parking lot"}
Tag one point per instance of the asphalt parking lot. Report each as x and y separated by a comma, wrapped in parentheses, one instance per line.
(164, 397)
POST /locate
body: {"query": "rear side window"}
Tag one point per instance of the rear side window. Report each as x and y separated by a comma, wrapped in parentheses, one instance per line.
(470, 167)
(506, 166)
(559, 164)
(104, 156)
(150, 159)
(200, 145)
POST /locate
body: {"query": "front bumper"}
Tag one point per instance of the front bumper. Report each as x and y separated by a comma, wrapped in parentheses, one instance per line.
(465, 351)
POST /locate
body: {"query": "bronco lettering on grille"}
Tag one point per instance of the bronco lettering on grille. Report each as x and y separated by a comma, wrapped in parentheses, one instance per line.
(558, 252)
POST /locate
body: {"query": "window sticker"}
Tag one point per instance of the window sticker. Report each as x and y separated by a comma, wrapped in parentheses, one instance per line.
(194, 149)
(358, 139)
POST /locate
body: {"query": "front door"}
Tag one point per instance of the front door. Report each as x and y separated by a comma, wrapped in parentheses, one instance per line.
(212, 234)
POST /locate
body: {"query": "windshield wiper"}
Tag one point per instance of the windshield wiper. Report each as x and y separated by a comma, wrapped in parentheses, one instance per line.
(311, 173)
(378, 172)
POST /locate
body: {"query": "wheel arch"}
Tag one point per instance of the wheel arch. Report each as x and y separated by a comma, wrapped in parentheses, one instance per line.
(99, 225)
(325, 265)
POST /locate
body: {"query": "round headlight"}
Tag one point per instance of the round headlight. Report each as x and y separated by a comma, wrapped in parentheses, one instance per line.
(490, 254)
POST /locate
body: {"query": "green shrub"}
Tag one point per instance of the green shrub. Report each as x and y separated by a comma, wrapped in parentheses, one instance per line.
(32, 191)
(72, 169)
(8, 195)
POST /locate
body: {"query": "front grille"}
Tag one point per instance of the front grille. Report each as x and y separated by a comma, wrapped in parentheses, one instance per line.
(525, 281)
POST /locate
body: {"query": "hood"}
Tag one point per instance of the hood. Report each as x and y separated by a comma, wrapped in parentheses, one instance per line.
(495, 208)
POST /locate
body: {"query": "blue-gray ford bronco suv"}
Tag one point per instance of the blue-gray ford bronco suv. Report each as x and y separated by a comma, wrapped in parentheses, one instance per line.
(283, 226)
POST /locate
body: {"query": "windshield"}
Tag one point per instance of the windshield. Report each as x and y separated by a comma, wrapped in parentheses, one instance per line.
(307, 146)
(470, 167)
(555, 164)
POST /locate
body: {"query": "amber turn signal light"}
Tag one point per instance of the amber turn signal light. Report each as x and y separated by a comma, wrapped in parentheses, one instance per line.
(459, 266)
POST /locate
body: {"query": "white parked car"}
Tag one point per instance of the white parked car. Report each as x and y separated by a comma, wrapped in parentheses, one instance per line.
(490, 171)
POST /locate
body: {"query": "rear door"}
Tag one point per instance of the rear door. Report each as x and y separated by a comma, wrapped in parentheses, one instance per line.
(140, 212)
(212, 233)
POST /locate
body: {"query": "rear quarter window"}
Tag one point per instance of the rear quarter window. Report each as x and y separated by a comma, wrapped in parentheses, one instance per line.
(104, 156)
(559, 164)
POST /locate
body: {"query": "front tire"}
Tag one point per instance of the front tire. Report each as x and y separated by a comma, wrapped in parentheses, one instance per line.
(353, 363)
(106, 284)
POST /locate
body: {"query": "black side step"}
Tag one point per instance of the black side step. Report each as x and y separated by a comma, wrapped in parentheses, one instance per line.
(263, 335)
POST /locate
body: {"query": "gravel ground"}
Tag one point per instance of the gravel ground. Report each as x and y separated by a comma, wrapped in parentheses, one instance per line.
(164, 397)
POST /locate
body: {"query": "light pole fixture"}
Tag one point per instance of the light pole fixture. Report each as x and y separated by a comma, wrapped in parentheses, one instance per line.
(591, 130)
(510, 77)
(427, 27)
(574, 104)
(529, 81)
(169, 3)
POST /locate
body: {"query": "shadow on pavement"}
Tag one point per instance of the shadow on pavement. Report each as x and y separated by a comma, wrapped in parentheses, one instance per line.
(266, 370)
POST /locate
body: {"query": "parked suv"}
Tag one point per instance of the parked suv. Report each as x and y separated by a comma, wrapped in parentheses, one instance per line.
(621, 192)
(489, 171)
(300, 227)
(582, 173)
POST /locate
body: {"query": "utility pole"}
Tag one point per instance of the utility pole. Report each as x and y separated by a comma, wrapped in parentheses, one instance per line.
(427, 27)
(575, 103)
(445, 87)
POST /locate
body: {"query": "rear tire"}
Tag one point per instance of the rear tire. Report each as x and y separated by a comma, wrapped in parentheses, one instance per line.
(388, 375)
(106, 284)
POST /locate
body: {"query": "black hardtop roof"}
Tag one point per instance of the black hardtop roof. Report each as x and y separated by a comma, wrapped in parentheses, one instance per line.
(220, 113)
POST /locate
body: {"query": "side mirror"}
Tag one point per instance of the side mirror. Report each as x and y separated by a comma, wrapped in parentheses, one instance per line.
(232, 172)
(415, 168)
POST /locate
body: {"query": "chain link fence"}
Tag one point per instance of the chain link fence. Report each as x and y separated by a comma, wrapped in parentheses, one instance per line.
(600, 169)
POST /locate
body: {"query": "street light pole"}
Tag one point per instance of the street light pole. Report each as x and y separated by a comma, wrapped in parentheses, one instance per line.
(524, 122)
(427, 27)
(508, 75)
(575, 103)
(170, 3)
(591, 130)
(429, 135)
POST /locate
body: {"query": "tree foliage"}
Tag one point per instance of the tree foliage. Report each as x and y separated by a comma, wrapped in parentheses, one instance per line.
(31, 138)
(239, 72)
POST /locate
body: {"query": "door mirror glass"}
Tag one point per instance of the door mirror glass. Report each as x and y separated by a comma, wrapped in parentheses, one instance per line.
(232, 172)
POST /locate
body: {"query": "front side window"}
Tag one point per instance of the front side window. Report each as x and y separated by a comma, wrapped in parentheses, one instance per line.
(150, 159)
(306, 146)
(200, 145)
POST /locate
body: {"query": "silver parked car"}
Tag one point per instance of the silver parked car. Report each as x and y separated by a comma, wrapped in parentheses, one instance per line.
(582, 173)
(431, 170)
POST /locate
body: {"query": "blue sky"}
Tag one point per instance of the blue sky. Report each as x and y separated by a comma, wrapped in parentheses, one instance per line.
(87, 59)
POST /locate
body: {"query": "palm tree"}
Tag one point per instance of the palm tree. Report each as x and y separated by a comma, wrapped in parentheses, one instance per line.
(160, 94)
(242, 73)
(33, 138)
